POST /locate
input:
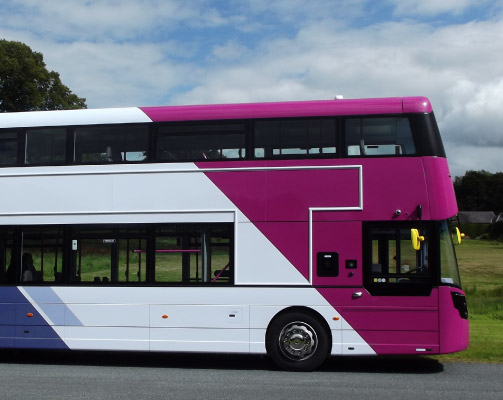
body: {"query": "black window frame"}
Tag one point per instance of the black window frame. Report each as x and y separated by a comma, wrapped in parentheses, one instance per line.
(421, 285)
(73, 133)
(196, 128)
(413, 131)
(26, 143)
(336, 133)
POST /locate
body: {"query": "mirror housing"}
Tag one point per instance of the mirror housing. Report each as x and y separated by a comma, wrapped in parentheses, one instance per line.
(416, 239)
(458, 236)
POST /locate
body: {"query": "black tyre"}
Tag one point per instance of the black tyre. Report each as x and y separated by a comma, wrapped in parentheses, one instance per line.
(297, 341)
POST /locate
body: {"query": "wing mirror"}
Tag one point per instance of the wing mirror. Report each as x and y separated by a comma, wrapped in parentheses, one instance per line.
(458, 236)
(416, 239)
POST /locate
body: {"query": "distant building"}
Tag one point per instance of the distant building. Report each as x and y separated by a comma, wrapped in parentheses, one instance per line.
(476, 223)
(477, 217)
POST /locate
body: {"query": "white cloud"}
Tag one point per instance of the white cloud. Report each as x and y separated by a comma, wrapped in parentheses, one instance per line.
(433, 7)
(463, 158)
(108, 19)
(301, 10)
(120, 74)
(229, 51)
(475, 115)
(389, 59)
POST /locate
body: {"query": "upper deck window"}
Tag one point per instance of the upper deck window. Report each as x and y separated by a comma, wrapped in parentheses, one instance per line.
(8, 148)
(201, 142)
(303, 138)
(45, 146)
(378, 137)
(111, 144)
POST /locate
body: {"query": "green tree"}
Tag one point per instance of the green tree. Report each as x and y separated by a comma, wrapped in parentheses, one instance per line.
(480, 191)
(27, 85)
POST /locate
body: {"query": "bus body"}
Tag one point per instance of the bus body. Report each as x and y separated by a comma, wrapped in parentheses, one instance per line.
(279, 228)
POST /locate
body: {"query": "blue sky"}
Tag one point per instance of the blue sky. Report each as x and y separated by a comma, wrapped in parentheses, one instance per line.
(153, 52)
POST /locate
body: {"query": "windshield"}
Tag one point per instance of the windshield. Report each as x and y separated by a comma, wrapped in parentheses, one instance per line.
(448, 262)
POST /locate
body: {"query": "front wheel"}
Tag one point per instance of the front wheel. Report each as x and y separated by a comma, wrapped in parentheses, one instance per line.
(297, 341)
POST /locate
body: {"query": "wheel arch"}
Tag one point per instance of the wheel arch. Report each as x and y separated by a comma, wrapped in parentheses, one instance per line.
(300, 310)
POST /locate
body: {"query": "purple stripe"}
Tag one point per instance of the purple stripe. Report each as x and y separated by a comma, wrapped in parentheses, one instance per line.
(396, 105)
(21, 324)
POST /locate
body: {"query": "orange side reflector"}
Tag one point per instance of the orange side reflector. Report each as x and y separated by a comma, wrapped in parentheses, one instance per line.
(336, 318)
(164, 316)
(29, 314)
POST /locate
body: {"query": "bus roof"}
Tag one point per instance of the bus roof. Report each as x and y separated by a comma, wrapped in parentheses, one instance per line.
(319, 108)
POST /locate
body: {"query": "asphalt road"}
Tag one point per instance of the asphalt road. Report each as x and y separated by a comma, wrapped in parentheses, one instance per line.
(86, 375)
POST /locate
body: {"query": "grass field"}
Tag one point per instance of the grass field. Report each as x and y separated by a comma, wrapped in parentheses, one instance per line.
(481, 265)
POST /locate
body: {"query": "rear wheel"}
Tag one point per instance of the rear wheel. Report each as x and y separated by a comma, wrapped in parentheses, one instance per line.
(297, 341)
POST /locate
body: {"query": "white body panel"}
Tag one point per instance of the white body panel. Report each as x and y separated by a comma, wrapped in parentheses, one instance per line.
(231, 319)
(105, 338)
(111, 314)
(74, 117)
(200, 340)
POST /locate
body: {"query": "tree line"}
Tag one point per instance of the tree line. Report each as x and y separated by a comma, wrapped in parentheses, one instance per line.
(27, 85)
(480, 191)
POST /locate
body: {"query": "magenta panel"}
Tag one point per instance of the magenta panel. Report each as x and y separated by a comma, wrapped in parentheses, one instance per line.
(245, 187)
(402, 342)
(264, 191)
(333, 237)
(416, 105)
(395, 105)
(455, 331)
(290, 193)
(343, 300)
(267, 192)
(397, 318)
(389, 185)
(375, 318)
(440, 187)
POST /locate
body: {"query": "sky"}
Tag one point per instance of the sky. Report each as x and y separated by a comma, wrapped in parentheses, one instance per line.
(118, 53)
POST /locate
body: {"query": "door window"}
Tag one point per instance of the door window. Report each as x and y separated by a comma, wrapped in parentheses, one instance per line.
(393, 266)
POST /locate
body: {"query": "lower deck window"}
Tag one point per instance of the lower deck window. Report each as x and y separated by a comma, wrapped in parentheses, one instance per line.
(118, 254)
(193, 254)
(34, 255)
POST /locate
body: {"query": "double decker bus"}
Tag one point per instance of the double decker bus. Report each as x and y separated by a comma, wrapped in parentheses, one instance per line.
(297, 229)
